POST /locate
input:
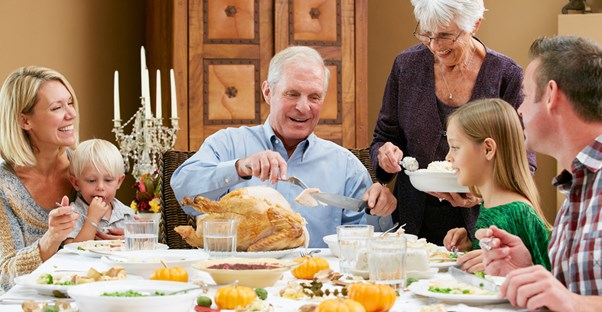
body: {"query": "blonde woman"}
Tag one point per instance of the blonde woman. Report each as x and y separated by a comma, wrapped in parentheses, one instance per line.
(487, 151)
(40, 123)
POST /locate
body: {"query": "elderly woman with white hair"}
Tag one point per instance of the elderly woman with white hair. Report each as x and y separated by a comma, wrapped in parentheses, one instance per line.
(448, 68)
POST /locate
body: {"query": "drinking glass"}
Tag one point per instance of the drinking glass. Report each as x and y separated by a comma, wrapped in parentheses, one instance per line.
(386, 260)
(352, 240)
(219, 237)
(141, 234)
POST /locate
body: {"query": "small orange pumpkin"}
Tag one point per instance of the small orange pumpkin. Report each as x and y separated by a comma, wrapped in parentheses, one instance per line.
(340, 305)
(176, 274)
(374, 297)
(234, 296)
(309, 267)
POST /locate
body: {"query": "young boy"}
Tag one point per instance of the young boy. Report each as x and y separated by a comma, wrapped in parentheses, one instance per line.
(97, 171)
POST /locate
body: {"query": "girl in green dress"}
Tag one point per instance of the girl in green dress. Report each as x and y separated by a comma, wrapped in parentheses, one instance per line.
(487, 151)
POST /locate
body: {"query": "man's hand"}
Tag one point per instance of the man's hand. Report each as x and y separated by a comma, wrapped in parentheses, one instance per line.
(465, 200)
(380, 200)
(507, 251)
(534, 287)
(457, 237)
(263, 165)
(389, 156)
(472, 261)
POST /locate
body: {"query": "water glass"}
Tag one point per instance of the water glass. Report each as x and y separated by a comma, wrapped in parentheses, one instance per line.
(219, 237)
(352, 240)
(141, 234)
(386, 260)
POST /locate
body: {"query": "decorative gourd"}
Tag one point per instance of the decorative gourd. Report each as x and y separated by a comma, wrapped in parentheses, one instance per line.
(309, 267)
(234, 296)
(176, 274)
(340, 305)
(374, 297)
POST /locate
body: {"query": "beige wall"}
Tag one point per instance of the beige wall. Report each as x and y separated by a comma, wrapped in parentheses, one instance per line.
(509, 27)
(88, 40)
(84, 40)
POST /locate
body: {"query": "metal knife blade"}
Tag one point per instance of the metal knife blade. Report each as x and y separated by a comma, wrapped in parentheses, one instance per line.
(340, 201)
(472, 279)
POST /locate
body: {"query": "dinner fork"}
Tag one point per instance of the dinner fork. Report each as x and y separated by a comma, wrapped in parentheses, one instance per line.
(85, 217)
(296, 181)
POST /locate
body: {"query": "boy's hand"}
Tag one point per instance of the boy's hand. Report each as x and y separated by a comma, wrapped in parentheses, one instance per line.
(97, 209)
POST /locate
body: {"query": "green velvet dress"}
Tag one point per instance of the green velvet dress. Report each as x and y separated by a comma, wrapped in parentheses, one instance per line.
(520, 219)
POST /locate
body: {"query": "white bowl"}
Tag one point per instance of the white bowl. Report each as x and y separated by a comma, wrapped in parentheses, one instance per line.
(89, 296)
(432, 181)
(145, 262)
(333, 242)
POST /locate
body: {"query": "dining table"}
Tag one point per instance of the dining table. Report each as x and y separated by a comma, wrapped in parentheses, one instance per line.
(406, 301)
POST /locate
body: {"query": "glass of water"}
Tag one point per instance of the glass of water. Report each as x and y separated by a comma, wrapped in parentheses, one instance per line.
(352, 240)
(219, 237)
(141, 234)
(386, 260)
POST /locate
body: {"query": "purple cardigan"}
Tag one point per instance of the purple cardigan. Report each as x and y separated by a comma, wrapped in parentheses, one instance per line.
(410, 119)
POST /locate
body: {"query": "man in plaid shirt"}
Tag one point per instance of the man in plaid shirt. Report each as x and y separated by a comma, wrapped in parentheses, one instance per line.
(562, 113)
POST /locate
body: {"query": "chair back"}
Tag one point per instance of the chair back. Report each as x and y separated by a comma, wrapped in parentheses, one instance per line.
(173, 215)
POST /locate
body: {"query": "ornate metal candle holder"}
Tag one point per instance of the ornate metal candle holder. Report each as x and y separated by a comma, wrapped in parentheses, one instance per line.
(148, 140)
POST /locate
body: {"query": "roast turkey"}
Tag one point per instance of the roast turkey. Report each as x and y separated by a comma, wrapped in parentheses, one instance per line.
(266, 220)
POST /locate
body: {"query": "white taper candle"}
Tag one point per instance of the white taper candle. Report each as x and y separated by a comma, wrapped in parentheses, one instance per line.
(158, 112)
(116, 114)
(174, 101)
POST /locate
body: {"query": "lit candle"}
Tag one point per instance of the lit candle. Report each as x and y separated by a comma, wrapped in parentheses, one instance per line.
(174, 101)
(158, 112)
(116, 115)
(146, 94)
(142, 66)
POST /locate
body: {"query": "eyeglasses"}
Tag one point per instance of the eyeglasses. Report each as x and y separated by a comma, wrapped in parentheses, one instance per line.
(443, 40)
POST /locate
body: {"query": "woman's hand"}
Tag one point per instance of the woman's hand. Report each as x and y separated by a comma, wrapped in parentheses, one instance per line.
(465, 200)
(389, 157)
(114, 233)
(61, 222)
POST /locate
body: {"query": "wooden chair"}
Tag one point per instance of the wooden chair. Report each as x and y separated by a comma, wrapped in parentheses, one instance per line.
(173, 215)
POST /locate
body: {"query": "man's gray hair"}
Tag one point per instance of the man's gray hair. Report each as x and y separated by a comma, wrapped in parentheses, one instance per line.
(291, 55)
(434, 14)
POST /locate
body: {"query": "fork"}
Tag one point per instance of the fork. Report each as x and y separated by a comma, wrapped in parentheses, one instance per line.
(296, 181)
(85, 217)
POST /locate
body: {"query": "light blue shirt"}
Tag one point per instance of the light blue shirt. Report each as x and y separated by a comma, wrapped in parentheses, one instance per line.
(322, 164)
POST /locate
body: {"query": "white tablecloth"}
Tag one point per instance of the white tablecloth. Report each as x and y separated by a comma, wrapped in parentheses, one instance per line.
(407, 301)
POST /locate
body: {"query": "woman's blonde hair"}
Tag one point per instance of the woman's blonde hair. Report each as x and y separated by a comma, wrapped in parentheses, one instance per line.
(101, 154)
(19, 95)
(498, 120)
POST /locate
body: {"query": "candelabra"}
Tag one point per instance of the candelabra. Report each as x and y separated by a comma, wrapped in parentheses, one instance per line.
(148, 140)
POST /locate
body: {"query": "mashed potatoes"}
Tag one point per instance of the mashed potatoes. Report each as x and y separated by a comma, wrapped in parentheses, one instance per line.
(440, 166)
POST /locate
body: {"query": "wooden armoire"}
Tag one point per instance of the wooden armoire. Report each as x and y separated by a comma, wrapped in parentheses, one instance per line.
(220, 51)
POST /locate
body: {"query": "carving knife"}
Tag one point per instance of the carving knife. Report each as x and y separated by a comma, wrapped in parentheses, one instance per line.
(473, 280)
(340, 201)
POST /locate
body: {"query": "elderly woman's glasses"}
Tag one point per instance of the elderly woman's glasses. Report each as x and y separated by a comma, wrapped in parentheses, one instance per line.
(442, 40)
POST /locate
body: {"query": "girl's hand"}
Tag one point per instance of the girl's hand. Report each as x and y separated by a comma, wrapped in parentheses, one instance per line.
(457, 237)
(465, 200)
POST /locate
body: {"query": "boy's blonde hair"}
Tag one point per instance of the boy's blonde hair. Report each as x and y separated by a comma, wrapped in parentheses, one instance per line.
(498, 120)
(101, 154)
(19, 95)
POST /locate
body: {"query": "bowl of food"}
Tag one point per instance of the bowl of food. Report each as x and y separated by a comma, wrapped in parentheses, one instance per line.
(259, 272)
(439, 176)
(333, 242)
(134, 296)
(145, 262)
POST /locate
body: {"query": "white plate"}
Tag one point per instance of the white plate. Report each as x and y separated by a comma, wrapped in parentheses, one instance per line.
(422, 288)
(263, 254)
(442, 265)
(30, 281)
(102, 246)
(144, 262)
(89, 296)
(422, 274)
(430, 181)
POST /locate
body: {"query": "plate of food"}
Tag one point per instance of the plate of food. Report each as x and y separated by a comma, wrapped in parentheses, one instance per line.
(57, 284)
(135, 296)
(451, 290)
(98, 248)
(144, 262)
(260, 272)
(439, 176)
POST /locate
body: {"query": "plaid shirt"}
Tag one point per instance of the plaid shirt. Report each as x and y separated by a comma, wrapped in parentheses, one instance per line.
(576, 242)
